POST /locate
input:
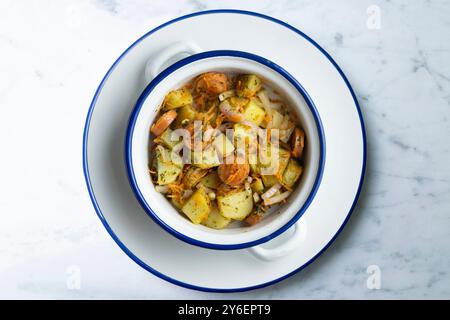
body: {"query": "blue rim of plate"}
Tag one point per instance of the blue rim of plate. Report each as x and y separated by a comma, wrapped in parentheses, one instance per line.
(120, 243)
(167, 72)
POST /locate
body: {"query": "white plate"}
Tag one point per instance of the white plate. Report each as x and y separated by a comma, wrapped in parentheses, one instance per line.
(214, 270)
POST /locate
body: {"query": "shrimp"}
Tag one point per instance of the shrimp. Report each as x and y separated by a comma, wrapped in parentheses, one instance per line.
(163, 122)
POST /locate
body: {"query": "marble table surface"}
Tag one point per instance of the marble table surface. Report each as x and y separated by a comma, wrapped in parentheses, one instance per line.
(395, 53)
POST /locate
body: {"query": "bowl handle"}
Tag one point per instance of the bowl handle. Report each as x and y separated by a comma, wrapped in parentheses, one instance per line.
(170, 54)
(269, 254)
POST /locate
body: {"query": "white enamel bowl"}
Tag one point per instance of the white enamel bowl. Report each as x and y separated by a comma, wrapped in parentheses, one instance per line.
(138, 141)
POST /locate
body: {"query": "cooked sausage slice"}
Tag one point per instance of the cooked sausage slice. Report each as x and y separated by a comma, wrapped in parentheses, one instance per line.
(297, 142)
(253, 219)
(211, 83)
(163, 122)
(233, 174)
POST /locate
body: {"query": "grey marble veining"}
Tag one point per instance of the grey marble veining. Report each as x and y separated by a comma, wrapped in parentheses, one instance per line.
(55, 54)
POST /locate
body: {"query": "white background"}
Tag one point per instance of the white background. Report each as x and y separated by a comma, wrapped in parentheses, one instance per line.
(55, 53)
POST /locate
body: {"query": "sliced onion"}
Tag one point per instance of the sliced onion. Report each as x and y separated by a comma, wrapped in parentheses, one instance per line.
(286, 134)
(286, 129)
(249, 124)
(159, 148)
(227, 110)
(187, 193)
(207, 135)
(162, 189)
(225, 126)
(269, 193)
(262, 95)
(162, 152)
(276, 106)
(226, 94)
(200, 185)
(256, 198)
(258, 130)
(277, 199)
(286, 124)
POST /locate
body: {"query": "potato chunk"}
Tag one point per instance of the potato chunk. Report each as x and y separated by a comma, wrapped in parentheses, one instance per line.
(206, 159)
(247, 85)
(215, 220)
(269, 180)
(236, 205)
(197, 206)
(193, 176)
(244, 133)
(167, 171)
(166, 139)
(211, 180)
(254, 112)
(185, 113)
(286, 129)
(177, 99)
(283, 160)
(292, 173)
(277, 119)
(275, 169)
(246, 141)
(223, 145)
(257, 186)
(238, 103)
(275, 159)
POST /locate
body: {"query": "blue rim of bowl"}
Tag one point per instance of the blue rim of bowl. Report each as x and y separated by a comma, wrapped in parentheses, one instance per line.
(124, 248)
(135, 114)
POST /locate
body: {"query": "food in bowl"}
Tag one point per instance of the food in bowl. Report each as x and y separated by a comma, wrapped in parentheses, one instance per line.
(226, 148)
